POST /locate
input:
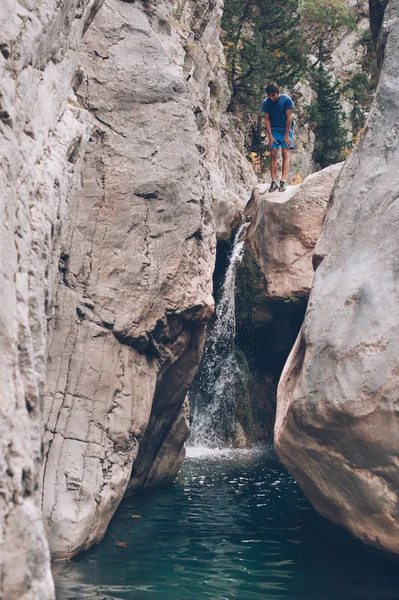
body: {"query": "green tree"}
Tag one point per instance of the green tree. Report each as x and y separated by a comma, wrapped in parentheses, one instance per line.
(321, 21)
(262, 42)
(284, 41)
(360, 88)
(326, 116)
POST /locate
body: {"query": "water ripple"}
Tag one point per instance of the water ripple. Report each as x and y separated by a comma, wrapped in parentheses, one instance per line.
(235, 526)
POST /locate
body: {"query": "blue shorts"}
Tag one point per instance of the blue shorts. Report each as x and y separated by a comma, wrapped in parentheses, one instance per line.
(279, 137)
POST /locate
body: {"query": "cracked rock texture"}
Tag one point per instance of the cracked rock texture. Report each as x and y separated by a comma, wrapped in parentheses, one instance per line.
(135, 269)
(42, 136)
(337, 428)
(284, 230)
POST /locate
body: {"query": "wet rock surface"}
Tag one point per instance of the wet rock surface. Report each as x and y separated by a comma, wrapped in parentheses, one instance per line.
(337, 414)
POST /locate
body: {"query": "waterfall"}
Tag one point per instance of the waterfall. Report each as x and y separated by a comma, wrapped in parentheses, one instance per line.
(213, 396)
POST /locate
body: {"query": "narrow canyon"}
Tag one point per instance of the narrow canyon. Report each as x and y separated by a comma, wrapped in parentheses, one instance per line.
(126, 180)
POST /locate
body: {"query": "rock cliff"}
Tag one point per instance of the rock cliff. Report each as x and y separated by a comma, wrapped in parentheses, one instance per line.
(135, 270)
(106, 276)
(42, 136)
(337, 415)
(112, 285)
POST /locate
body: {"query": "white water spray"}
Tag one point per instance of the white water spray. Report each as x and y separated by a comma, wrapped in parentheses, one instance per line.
(213, 398)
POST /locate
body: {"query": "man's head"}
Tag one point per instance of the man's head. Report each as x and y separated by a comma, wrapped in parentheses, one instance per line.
(273, 91)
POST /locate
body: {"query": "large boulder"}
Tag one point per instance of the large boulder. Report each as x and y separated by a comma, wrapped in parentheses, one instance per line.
(337, 428)
(284, 230)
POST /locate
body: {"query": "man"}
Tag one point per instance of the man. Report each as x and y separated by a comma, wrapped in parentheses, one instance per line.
(279, 125)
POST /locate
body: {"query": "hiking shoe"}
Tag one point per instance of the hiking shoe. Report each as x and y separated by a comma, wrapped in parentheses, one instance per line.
(273, 186)
(282, 187)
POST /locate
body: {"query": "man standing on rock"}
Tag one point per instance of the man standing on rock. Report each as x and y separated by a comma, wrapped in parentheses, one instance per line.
(280, 126)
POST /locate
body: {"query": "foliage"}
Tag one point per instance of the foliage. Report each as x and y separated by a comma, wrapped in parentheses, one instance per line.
(360, 94)
(353, 143)
(360, 87)
(321, 20)
(326, 117)
(262, 42)
(259, 147)
(287, 41)
(297, 178)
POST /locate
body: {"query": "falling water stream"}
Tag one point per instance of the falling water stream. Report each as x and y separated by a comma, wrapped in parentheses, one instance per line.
(234, 525)
(213, 398)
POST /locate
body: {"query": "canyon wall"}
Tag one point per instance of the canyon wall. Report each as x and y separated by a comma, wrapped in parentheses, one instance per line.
(110, 286)
(42, 137)
(135, 268)
(337, 406)
(106, 275)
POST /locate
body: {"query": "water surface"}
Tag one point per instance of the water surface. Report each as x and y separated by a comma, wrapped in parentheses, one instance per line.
(235, 525)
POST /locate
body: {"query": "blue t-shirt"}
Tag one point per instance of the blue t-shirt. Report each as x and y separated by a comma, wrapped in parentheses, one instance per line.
(276, 111)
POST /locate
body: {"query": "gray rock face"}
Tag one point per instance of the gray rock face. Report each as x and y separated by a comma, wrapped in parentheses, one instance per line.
(232, 176)
(284, 230)
(337, 419)
(135, 284)
(42, 136)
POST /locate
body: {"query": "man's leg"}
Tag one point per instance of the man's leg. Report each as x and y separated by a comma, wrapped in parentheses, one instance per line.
(273, 163)
(273, 169)
(286, 163)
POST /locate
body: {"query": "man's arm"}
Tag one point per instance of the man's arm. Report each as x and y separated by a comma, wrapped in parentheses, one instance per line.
(269, 129)
(288, 114)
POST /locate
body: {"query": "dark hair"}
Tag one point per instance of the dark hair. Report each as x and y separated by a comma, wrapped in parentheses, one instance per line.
(272, 88)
